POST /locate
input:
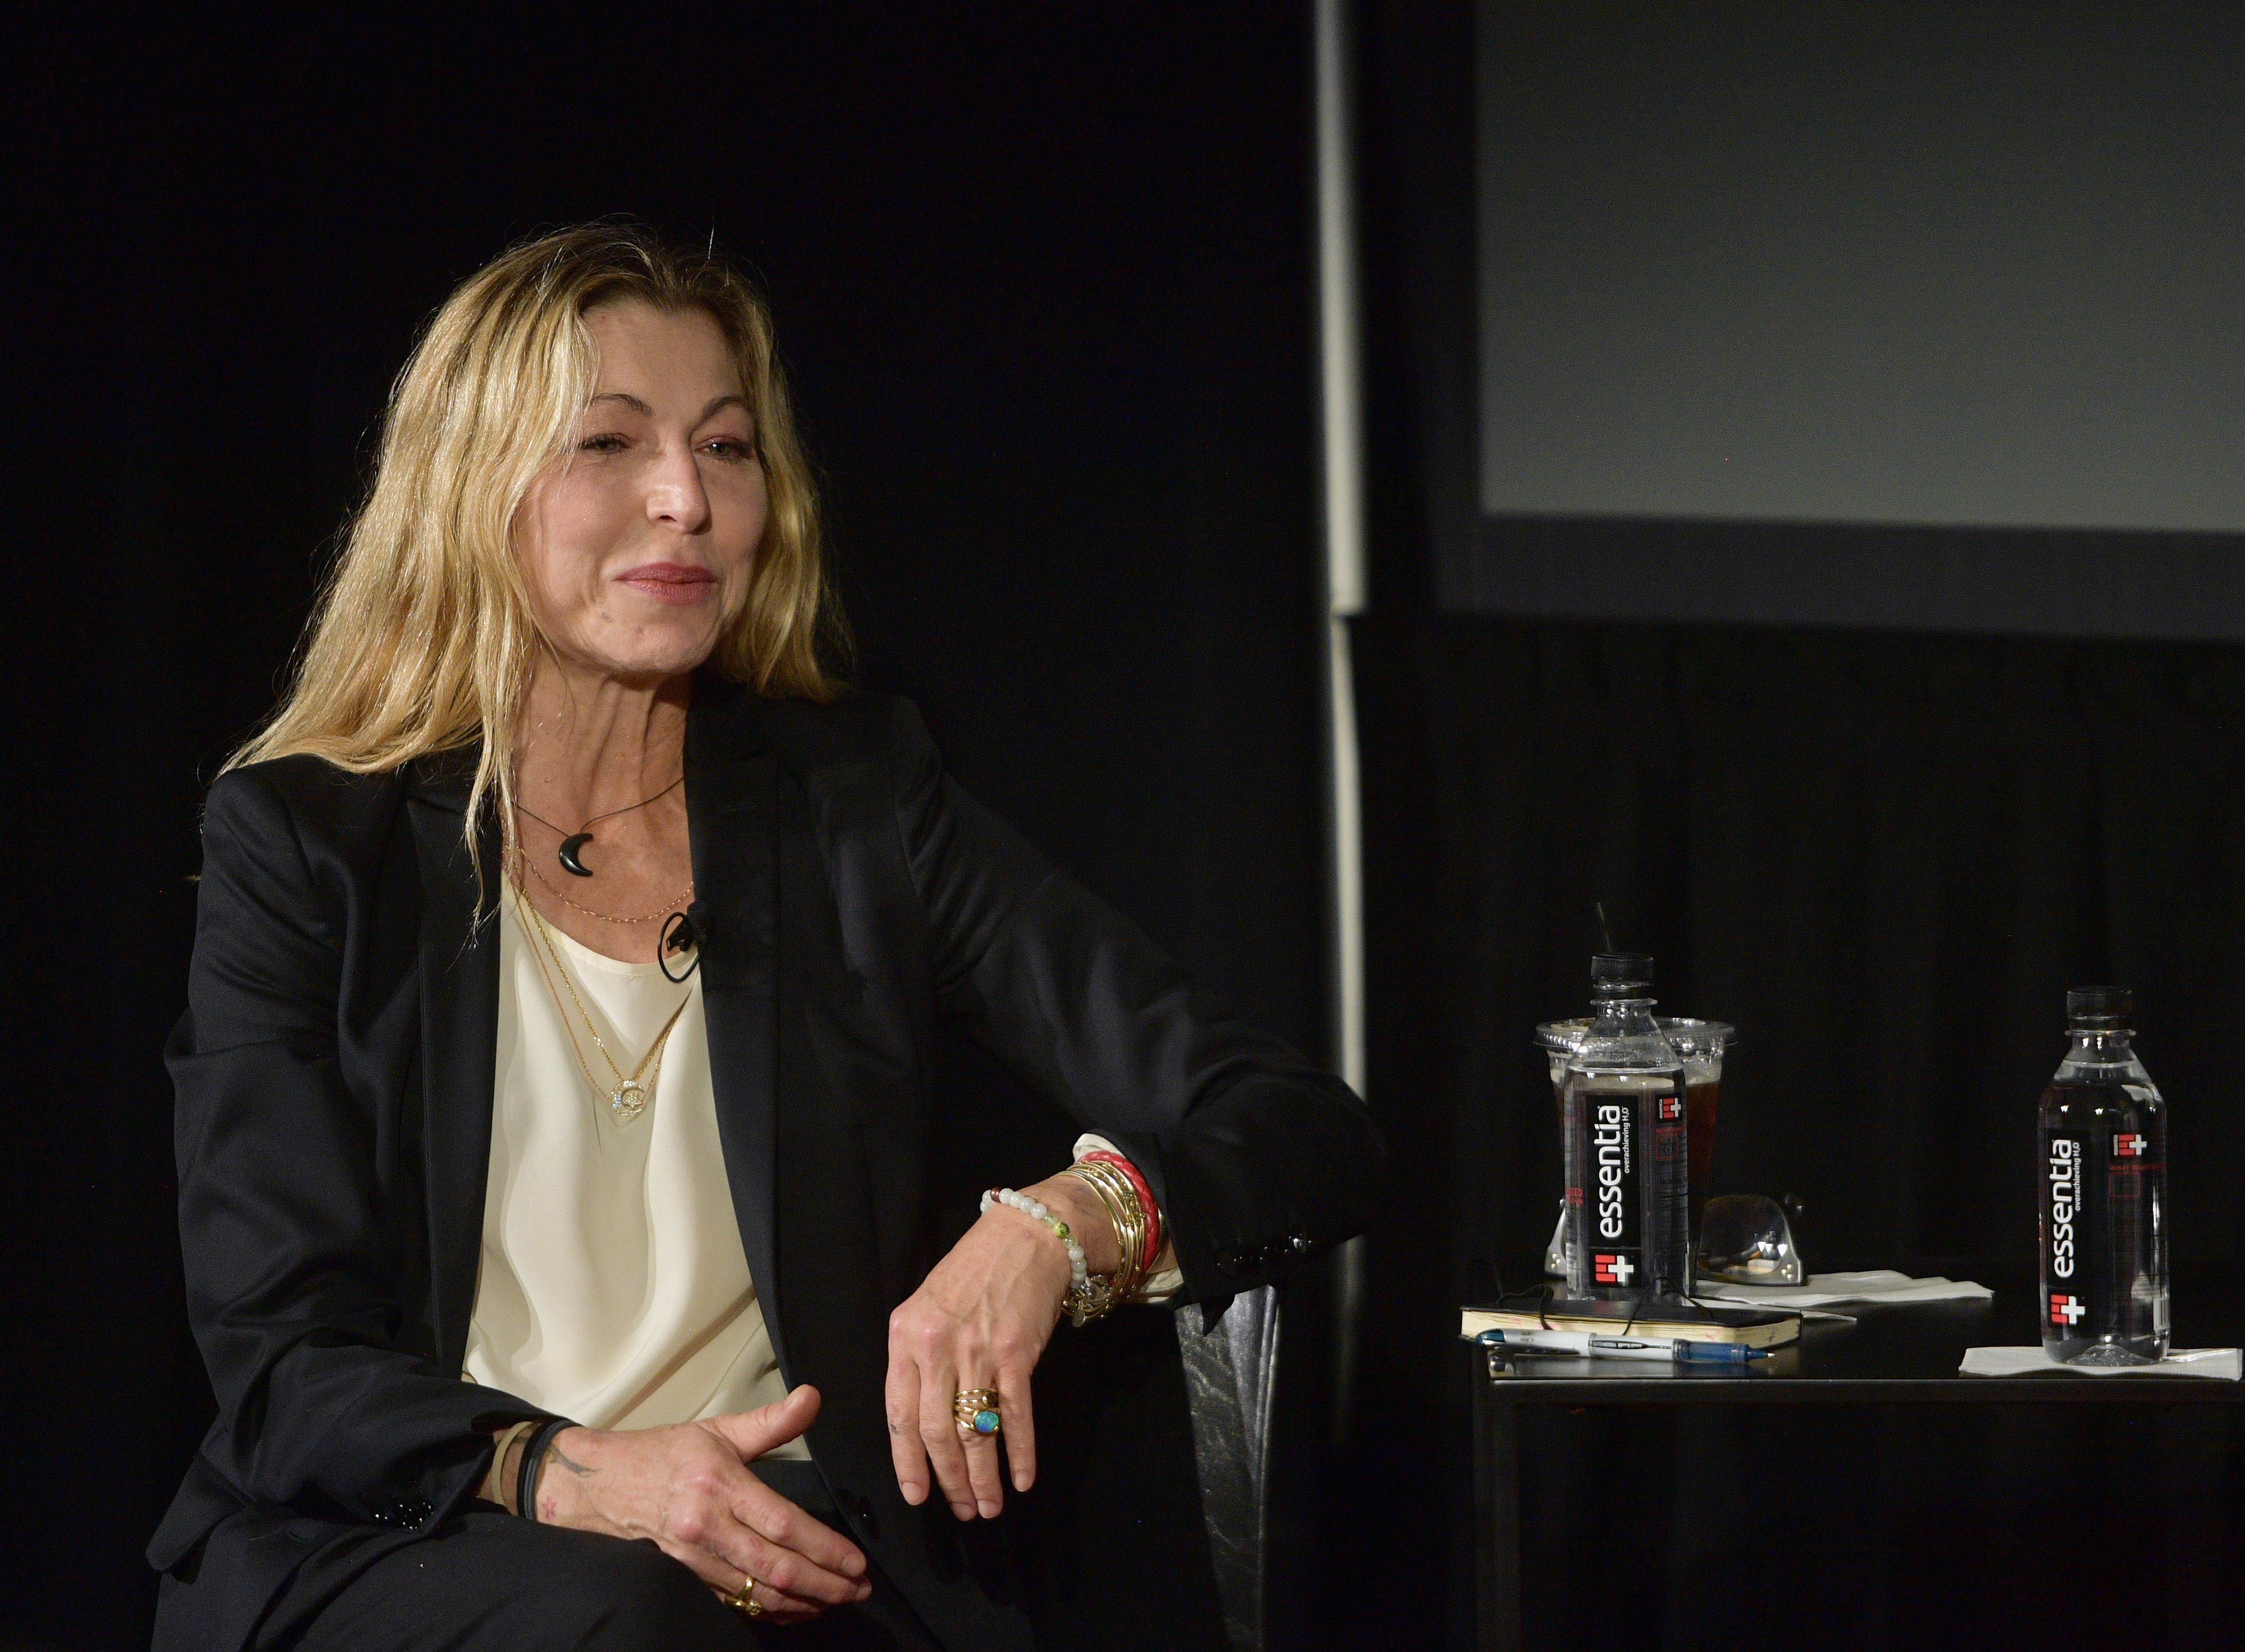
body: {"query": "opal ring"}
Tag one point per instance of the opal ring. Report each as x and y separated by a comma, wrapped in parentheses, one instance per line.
(744, 1602)
(977, 1412)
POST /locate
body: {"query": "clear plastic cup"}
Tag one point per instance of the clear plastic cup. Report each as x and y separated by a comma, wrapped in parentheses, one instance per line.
(1701, 1043)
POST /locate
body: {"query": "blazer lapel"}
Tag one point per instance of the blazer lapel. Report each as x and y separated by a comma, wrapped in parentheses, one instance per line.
(459, 1035)
(733, 817)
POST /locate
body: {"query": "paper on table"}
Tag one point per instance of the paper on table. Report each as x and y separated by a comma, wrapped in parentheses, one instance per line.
(1877, 1285)
(2181, 1361)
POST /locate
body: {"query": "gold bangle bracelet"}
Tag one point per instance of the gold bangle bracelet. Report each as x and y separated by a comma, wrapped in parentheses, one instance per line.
(1121, 1200)
(1134, 1226)
(1118, 1217)
(1121, 1197)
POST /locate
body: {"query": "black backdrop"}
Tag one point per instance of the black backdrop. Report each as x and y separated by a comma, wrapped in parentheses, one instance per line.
(1041, 278)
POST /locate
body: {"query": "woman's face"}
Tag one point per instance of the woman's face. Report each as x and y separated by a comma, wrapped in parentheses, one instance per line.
(637, 543)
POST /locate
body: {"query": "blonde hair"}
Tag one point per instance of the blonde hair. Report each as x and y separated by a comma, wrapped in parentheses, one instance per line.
(422, 639)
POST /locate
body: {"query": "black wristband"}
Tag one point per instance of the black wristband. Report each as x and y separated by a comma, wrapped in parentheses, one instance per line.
(525, 1473)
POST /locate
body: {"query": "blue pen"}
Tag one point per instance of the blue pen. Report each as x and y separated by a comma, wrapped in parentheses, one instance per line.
(1586, 1345)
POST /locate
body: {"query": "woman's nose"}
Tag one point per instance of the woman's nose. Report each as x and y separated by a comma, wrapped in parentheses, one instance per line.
(675, 493)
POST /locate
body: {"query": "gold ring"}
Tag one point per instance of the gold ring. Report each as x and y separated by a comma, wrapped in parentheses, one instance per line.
(977, 1412)
(744, 1599)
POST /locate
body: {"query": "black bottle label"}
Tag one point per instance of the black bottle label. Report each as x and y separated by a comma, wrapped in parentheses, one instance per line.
(1615, 1217)
(2102, 1210)
(2066, 1231)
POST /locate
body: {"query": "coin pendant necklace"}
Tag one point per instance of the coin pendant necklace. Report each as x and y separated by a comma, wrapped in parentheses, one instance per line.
(627, 1096)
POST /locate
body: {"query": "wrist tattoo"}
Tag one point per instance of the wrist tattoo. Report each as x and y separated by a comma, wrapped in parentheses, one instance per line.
(582, 1470)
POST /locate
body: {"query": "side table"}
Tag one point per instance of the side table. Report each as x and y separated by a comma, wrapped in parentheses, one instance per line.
(1903, 1355)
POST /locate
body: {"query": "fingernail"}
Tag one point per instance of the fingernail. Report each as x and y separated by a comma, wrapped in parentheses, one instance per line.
(914, 1495)
(989, 1510)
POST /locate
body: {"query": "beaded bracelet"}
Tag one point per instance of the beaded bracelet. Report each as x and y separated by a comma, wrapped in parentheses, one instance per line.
(1079, 1271)
(1088, 1298)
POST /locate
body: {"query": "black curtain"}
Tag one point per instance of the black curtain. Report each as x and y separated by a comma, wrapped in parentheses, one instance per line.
(1884, 857)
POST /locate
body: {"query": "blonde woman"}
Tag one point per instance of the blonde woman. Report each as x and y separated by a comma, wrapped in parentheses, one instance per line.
(558, 1152)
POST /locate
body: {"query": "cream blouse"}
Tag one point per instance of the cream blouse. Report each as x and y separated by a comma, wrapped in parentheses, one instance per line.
(613, 1290)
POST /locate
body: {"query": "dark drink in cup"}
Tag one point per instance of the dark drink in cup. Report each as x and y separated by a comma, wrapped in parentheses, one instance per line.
(1699, 1109)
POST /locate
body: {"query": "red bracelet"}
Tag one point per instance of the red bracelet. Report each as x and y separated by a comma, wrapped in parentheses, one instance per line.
(1138, 1185)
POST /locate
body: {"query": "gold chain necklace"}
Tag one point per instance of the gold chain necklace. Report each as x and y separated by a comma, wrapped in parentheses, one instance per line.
(680, 900)
(628, 1098)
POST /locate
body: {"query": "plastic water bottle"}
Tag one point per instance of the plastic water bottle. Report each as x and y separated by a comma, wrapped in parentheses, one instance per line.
(1629, 1212)
(2103, 1132)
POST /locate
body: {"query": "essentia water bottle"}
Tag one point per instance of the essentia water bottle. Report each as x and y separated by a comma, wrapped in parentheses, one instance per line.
(2103, 1132)
(1628, 1195)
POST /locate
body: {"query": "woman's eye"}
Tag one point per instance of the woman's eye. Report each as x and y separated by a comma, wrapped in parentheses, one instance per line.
(729, 447)
(610, 443)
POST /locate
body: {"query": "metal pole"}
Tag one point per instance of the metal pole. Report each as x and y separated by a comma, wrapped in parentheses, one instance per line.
(1341, 406)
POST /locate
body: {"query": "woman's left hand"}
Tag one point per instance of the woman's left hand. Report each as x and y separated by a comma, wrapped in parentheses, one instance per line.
(981, 1319)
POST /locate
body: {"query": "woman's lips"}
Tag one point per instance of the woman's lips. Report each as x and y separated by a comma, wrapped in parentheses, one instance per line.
(678, 582)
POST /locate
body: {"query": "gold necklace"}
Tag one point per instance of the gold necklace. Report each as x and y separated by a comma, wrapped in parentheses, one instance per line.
(680, 899)
(630, 1097)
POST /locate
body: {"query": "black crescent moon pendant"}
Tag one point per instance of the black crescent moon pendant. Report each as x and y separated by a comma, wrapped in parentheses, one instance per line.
(570, 845)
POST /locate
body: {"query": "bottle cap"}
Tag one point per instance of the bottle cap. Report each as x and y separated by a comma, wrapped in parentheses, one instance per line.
(1619, 975)
(2100, 1009)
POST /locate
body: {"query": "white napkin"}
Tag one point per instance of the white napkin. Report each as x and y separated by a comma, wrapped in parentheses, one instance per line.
(1879, 1285)
(2228, 1363)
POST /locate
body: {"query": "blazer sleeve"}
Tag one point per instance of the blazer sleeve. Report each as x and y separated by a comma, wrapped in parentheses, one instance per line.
(1260, 1159)
(292, 1216)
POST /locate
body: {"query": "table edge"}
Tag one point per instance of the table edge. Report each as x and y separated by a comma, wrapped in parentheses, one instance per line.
(1863, 1390)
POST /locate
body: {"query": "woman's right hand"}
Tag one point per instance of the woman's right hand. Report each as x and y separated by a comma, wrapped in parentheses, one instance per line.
(687, 1488)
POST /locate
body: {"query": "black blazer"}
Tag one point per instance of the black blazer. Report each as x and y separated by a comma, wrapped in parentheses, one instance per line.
(334, 1072)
